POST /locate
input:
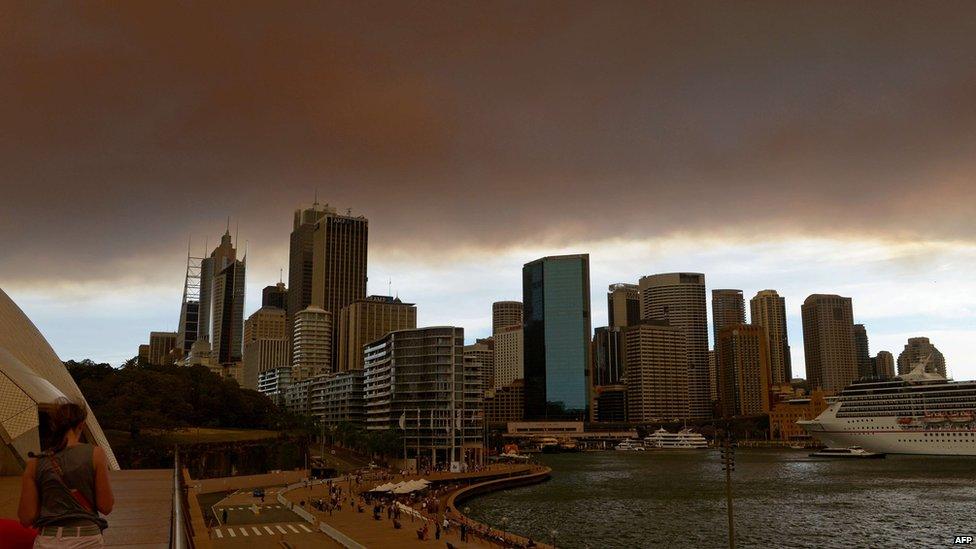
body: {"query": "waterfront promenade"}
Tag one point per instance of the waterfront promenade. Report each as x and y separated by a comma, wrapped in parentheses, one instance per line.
(364, 530)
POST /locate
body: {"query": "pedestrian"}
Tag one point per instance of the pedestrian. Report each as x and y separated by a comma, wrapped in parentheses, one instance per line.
(437, 530)
(67, 485)
(464, 532)
(223, 516)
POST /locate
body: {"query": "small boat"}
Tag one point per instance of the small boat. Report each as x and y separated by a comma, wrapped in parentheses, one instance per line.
(906, 420)
(935, 418)
(629, 446)
(797, 447)
(961, 417)
(548, 445)
(854, 452)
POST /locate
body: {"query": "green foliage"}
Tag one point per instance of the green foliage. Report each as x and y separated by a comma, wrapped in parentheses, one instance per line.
(134, 398)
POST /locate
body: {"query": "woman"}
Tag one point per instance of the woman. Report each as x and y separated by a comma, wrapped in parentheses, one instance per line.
(64, 489)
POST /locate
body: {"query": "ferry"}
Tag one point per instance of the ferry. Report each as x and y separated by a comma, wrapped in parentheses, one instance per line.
(854, 452)
(920, 412)
(685, 439)
(629, 446)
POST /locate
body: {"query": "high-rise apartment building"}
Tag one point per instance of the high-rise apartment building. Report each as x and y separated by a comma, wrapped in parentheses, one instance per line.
(275, 296)
(768, 310)
(505, 314)
(312, 345)
(657, 371)
(343, 399)
(728, 309)
(828, 341)
(864, 366)
(265, 345)
(679, 299)
(921, 349)
(556, 304)
(416, 381)
(623, 305)
(508, 356)
(366, 320)
(742, 356)
(481, 356)
(161, 345)
(883, 365)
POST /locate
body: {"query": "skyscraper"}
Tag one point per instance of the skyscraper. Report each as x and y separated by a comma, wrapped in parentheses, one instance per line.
(864, 366)
(265, 346)
(275, 296)
(556, 301)
(768, 310)
(301, 244)
(508, 356)
(607, 356)
(623, 305)
(828, 341)
(657, 371)
(338, 264)
(679, 299)
(210, 267)
(743, 370)
(728, 309)
(227, 313)
(920, 349)
(505, 314)
(312, 345)
(366, 320)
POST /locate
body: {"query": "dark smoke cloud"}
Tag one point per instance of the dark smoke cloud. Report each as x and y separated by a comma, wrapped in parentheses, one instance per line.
(128, 126)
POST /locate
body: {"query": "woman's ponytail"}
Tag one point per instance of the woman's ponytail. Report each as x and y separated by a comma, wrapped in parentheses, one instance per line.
(66, 416)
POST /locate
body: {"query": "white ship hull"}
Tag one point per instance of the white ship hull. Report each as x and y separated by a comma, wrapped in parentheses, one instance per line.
(886, 435)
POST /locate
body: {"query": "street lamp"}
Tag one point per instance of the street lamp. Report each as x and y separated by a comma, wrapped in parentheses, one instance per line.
(552, 537)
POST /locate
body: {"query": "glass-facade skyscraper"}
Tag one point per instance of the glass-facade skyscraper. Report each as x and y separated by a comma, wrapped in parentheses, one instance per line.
(556, 332)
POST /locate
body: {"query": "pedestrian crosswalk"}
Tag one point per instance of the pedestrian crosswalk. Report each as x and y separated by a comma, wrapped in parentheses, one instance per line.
(261, 530)
(248, 507)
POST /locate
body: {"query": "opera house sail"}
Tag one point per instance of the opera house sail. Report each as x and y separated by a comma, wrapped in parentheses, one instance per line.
(32, 378)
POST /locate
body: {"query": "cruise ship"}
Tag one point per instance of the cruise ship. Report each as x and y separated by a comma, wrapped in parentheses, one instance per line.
(917, 413)
(684, 439)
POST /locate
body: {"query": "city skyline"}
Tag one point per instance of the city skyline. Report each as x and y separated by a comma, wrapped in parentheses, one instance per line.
(818, 157)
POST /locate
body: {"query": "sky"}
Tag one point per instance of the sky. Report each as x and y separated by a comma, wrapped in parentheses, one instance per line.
(799, 146)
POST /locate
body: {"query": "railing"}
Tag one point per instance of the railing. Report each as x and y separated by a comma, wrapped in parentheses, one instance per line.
(181, 532)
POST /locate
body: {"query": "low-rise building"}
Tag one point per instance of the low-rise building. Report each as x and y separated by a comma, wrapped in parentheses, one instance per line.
(783, 416)
(504, 404)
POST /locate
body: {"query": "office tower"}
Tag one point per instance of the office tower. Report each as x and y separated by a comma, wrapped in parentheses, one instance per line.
(921, 349)
(606, 355)
(161, 344)
(366, 320)
(712, 378)
(505, 314)
(556, 332)
(508, 356)
(742, 356)
(312, 345)
(610, 403)
(415, 381)
(728, 309)
(227, 313)
(301, 244)
(864, 367)
(679, 299)
(883, 365)
(481, 356)
(658, 374)
(275, 296)
(220, 258)
(265, 346)
(828, 341)
(623, 305)
(768, 310)
(338, 264)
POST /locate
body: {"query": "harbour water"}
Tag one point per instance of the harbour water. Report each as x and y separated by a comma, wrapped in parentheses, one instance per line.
(782, 498)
